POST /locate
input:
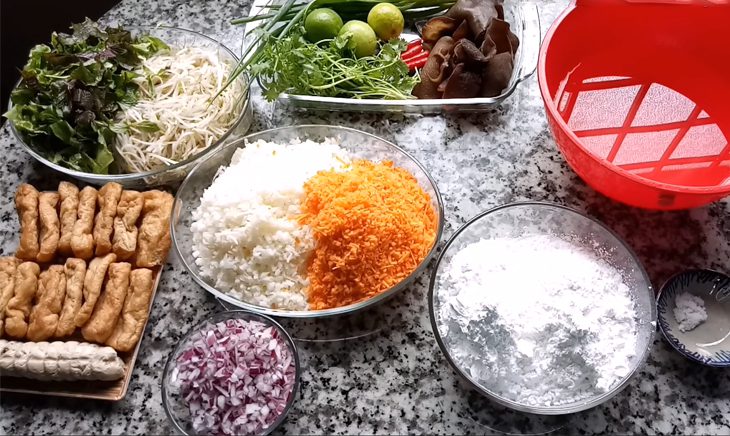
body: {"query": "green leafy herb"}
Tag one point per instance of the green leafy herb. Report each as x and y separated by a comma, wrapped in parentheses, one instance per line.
(294, 65)
(71, 90)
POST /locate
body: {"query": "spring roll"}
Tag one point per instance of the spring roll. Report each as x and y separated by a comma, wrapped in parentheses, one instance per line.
(82, 242)
(45, 314)
(125, 224)
(18, 309)
(26, 203)
(8, 267)
(105, 316)
(131, 322)
(109, 195)
(153, 241)
(69, 196)
(50, 228)
(75, 270)
(93, 280)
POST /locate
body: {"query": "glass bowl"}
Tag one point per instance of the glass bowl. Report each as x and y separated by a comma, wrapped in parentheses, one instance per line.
(170, 175)
(534, 218)
(361, 145)
(176, 409)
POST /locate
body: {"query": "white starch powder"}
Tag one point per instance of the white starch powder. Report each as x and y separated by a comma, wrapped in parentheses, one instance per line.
(537, 320)
(689, 311)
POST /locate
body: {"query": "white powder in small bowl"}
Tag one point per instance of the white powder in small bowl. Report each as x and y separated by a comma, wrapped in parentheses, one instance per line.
(689, 311)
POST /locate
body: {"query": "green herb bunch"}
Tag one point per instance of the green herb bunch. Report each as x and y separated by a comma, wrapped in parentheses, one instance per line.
(71, 90)
(294, 65)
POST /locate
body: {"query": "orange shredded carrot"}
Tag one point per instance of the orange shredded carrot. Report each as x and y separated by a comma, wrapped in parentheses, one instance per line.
(373, 225)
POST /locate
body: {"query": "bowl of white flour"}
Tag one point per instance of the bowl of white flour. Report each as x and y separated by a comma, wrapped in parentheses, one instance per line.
(541, 308)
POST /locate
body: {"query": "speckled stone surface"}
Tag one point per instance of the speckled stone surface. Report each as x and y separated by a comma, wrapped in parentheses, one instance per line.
(395, 379)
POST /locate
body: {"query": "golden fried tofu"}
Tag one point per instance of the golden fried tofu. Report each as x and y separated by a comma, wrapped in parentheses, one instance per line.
(82, 242)
(69, 196)
(50, 227)
(153, 241)
(26, 203)
(8, 267)
(75, 270)
(130, 325)
(44, 315)
(18, 309)
(107, 310)
(109, 195)
(125, 224)
(93, 281)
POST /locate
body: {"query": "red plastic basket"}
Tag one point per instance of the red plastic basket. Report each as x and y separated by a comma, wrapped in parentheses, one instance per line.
(637, 95)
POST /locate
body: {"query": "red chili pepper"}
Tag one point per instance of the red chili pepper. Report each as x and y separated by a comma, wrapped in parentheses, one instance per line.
(417, 61)
(414, 48)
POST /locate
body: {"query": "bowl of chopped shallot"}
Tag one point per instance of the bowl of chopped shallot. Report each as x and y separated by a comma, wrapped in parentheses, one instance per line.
(236, 373)
(307, 221)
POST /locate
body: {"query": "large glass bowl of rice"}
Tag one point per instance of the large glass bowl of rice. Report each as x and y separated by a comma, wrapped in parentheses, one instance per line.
(211, 208)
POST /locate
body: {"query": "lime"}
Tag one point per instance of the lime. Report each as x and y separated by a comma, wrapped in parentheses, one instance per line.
(386, 20)
(363, 41)
(322, 24)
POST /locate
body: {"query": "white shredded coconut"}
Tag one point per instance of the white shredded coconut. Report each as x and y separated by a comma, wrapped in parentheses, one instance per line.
(537, 319)
(689, 311)
(245, 236)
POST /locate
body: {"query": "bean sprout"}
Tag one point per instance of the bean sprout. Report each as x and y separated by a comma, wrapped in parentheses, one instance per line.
(176, 116)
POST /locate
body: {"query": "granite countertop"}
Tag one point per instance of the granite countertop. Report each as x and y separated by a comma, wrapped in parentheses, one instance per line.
(394, 378)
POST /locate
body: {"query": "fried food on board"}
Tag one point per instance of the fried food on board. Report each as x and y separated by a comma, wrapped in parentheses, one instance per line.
(26, 203)
(125, 224)
(50, 231)
(69, 196)
(26, 285)
(93, 281)
(154, 242)
(130, 325)
(44, 315)
(75, 270)
(109, 195)
(8, 266)
(82, 242)
(102, 321)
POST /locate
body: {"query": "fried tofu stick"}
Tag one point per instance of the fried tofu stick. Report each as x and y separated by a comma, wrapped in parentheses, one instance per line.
(109, 195)
(50, 227)
(125, 224)
(131, 322)
(69, 195)
(93, 281)
(26, 286)
(110, 304)
(75, 270)
(153, 242)
(44, 315)
(8, 267)
(82, 243)
(26, 203)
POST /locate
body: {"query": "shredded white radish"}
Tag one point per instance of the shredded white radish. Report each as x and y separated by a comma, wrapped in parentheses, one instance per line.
(176, 116)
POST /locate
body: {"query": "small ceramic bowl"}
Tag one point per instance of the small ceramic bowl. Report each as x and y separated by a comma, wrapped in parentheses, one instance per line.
(709, 342)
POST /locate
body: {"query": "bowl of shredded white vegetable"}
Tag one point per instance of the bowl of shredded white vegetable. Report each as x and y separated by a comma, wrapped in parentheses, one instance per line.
(182, 111)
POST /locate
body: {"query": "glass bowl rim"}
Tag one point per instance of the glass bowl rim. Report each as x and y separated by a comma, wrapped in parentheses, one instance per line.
(351, 308)
(544, 410)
